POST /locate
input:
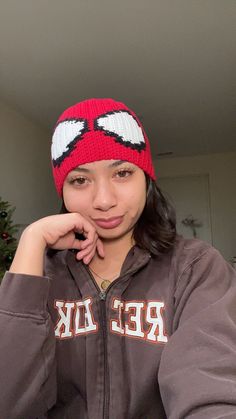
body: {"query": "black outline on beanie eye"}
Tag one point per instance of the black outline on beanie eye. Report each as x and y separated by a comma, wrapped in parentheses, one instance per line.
(118, 138)
(71, 146)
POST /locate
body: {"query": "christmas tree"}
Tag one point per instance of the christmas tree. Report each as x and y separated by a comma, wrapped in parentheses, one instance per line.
(8, 242)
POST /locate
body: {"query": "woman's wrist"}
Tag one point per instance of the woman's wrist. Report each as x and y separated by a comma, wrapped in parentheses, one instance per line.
(30, 253)
(33, 234)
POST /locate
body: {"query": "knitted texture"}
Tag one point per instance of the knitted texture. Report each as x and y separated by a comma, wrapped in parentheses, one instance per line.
(98, 129)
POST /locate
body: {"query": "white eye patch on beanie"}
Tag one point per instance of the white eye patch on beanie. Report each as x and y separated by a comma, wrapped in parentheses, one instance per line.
(66, 134)
(120, 125)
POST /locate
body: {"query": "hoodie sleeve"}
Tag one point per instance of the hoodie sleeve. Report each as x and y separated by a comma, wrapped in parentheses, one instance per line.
(27, 348)
(197, 374)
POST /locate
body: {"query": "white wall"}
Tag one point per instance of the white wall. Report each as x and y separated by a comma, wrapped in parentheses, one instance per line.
(25, 171)
(221, 169)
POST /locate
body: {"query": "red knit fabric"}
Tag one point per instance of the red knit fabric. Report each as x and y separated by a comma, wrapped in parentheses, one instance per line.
(98, 129)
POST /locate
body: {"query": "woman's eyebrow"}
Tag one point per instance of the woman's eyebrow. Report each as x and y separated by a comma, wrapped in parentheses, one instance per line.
(114, 164)
(117, 163)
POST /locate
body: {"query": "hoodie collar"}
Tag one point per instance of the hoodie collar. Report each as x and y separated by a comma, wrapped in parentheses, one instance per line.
(135, 259)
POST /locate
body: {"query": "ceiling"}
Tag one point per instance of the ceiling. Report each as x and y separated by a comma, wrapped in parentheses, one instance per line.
(172, 62)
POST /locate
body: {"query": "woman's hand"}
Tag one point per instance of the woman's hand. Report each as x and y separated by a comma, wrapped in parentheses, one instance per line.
(56, 232)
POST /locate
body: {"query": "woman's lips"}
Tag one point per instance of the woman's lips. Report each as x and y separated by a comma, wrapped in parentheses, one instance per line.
(108, 223)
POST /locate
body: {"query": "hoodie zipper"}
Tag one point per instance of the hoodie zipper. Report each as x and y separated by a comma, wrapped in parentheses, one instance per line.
(102, 297)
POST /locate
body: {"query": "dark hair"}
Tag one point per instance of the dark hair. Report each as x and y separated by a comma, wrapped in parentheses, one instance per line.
(155, 229)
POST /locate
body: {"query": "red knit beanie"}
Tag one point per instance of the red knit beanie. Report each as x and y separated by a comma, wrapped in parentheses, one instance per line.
(98, 129)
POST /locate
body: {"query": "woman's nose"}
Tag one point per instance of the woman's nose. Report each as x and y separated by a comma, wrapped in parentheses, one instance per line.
(104, 196)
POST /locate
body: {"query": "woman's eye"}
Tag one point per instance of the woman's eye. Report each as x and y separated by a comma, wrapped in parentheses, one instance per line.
(78, 181)
(124, 173)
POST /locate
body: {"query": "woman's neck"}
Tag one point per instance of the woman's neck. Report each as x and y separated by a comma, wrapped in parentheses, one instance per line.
(115, 254)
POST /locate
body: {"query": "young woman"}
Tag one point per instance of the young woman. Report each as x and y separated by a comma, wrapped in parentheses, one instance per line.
(106, 312)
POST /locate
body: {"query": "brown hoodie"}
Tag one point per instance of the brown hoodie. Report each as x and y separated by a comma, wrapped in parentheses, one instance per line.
(161, 343)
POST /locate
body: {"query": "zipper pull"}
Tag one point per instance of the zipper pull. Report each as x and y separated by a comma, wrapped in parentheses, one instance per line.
(102, 295)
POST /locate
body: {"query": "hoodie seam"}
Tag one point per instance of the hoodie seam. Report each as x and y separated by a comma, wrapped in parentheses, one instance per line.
(23, 316)
(191, 263)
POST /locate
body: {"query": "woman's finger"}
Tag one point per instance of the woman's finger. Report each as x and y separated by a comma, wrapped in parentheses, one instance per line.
(87, 242)
(77, 244)
(87, 229)
(85, 252)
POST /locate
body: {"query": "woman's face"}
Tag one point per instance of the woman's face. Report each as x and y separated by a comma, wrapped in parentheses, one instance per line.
(111, 194)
